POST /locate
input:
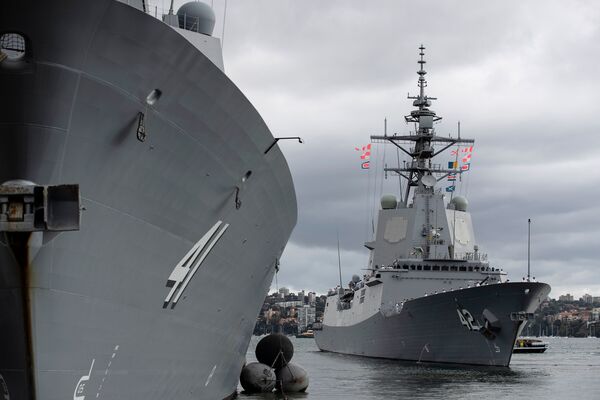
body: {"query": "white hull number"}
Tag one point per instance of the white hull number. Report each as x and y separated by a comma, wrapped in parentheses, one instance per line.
(186, 268)
(467, 319)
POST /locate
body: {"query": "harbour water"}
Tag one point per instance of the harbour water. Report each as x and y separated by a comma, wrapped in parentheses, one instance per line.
(569, 369)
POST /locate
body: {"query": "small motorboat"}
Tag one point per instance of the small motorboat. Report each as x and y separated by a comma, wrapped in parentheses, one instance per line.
(529, 346)
(309, 334)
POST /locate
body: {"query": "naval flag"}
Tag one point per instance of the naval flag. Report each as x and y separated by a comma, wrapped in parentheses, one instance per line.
(365, 155)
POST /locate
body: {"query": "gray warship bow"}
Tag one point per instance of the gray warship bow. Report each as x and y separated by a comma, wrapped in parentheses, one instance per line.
(141, 214)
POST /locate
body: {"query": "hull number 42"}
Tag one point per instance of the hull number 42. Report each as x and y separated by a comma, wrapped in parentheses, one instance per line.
(466, 319)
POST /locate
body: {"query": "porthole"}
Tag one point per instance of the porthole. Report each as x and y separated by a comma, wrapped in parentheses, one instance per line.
(12, 46)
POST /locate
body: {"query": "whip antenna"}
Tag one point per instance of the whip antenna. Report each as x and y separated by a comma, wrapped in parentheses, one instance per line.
(528, 249)
(339, 259)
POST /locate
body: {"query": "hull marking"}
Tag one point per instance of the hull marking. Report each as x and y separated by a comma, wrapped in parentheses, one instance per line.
(184, 271)
(80, 387)
(212, 372)
(466, 319)
(110, 361)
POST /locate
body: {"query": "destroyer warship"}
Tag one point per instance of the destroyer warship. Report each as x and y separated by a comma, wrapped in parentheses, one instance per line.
(144, 204)
(429, 294)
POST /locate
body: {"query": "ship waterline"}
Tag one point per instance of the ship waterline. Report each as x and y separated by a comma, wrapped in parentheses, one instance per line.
(156, 294)
(429, 329)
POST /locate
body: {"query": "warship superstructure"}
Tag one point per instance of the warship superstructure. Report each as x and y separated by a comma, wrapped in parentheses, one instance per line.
(429, 294)
(144, 204)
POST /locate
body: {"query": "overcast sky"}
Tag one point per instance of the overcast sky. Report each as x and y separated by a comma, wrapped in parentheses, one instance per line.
(521, 76)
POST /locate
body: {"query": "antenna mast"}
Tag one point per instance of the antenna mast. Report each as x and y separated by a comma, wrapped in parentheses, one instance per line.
(339, 260)
(528, 249)
(423, 141)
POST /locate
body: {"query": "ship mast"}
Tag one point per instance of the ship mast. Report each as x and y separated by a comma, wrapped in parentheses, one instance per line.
(421, 173)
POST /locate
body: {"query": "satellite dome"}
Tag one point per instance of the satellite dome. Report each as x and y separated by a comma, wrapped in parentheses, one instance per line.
(355, 278)
(388, 202)
(460, 203)
(197, 16)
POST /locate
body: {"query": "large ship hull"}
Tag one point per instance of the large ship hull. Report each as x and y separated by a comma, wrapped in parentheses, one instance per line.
(429, 329)
(87, 314)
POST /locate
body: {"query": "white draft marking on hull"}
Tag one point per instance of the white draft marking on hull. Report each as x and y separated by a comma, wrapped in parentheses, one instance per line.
(80, 387)
(110, 361)
(184, 271)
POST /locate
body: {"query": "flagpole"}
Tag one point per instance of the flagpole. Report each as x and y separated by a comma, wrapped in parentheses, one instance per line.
(339, 260)
(456, 164)
(528, 249)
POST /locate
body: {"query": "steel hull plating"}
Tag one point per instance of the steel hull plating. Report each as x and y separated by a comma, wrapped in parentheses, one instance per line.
(84, 313)
(429, 329)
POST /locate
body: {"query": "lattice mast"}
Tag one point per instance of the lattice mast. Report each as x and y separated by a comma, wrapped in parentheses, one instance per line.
(423, 139)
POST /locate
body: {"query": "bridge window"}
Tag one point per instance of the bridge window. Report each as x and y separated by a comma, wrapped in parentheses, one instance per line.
(445, 268)
(436, 267)
(463, 269)
(419, 267)
(427, 268)
(453, 268)
(470, 269)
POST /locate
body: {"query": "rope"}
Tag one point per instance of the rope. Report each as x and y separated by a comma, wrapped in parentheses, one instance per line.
(279, 382)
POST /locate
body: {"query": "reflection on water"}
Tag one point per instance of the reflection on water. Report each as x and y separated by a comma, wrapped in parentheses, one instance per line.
(569, 368)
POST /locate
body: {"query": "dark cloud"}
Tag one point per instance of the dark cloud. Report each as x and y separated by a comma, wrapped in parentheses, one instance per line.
(520, 76)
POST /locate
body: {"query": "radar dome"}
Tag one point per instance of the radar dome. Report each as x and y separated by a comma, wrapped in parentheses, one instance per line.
(197, 16)
(355, 278)
(389, 202)
(460, 203)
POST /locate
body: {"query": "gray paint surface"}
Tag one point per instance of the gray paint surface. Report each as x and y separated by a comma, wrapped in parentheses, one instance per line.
(428, 329)
(68, 113)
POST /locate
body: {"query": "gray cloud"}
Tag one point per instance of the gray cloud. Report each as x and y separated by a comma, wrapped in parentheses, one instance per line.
(520, 76)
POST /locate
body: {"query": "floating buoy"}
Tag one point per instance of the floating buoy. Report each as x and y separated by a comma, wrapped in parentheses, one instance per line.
(275, 350)
(292, 378)
(257, 378)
